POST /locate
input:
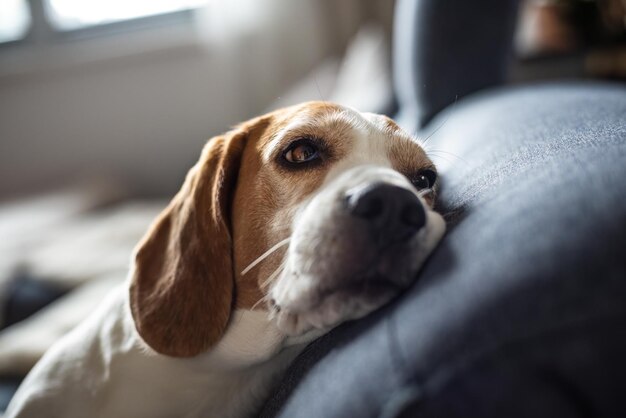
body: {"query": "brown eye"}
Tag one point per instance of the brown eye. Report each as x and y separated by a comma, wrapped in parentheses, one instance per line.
(300, 152)
(424, 179)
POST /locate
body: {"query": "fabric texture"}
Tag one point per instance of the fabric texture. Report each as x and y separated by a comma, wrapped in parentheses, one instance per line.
(445, 50)
(523, 299)
(519, 312)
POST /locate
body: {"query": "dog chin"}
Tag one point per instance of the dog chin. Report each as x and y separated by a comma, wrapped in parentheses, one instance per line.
(344, 303)
(309, 304)
(314, 304)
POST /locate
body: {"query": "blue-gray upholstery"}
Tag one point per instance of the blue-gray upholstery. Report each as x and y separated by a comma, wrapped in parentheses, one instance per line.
(445, 50)
(521, 311)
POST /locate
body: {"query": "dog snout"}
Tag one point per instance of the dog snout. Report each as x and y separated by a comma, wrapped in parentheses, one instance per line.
(392, 212)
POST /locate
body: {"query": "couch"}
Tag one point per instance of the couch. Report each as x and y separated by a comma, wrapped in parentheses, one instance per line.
(521, 311)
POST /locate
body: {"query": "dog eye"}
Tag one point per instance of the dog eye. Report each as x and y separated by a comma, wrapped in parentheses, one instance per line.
(301, 151)
(424, 179)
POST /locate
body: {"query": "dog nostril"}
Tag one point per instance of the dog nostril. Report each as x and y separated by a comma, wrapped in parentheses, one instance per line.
(414, 216)
(368, 208)
(393, 213)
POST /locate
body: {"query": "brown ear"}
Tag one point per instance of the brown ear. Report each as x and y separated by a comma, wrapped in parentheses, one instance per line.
(181, 291)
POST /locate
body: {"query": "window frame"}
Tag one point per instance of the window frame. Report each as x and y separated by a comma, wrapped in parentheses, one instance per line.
(26, 33)
(42, 31)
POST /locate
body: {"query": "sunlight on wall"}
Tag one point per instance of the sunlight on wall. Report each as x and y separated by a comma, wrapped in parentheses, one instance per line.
(75, 14)
(14, 20)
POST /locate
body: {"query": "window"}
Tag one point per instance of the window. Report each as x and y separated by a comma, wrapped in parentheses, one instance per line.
(66, 15)
(18, 17)
(14, 20)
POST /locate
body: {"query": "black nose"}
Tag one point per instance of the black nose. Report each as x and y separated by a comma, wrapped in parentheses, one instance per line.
(393, 213)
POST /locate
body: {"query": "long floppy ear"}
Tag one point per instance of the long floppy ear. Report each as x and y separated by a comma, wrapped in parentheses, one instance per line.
(181, 291)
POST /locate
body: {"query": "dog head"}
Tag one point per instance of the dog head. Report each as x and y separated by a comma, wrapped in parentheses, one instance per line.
(314, 214)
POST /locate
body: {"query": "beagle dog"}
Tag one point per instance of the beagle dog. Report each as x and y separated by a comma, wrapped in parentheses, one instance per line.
(288, 225)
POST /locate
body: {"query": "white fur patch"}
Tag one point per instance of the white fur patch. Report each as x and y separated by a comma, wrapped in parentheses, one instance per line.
(323, 249)
(104, 366)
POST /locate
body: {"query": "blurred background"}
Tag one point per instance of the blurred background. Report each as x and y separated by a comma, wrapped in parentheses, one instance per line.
(90, 89)
(105, 104)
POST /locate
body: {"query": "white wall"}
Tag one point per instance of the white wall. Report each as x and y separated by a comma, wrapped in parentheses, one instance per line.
(140, 106)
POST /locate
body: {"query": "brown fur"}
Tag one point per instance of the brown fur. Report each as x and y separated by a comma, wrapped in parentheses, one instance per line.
(182, 284)
(266, 192)
(234, 205)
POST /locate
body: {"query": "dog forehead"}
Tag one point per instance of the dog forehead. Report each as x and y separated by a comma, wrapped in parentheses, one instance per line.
(318, 119)
(359, 134)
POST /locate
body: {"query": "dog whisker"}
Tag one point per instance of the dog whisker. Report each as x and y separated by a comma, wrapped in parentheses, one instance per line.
(437, 151)
(434, 155)
(425, 140)
(265, 255)
(425, 192)
(274, 274)
(259, 302)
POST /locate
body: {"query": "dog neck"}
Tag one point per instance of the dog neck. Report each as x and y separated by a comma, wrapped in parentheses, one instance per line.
(231, 380)
(108, 370)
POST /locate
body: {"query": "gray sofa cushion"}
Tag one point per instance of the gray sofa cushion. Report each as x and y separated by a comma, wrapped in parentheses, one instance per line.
(530, 278)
